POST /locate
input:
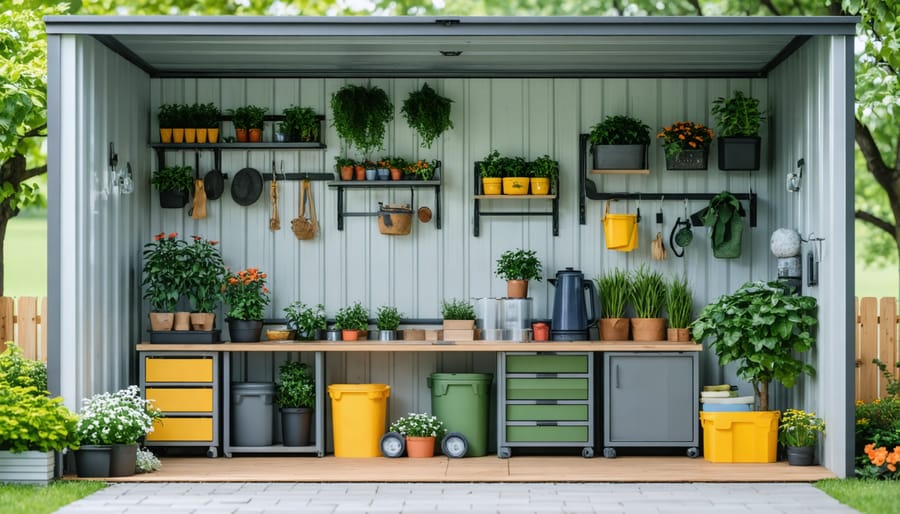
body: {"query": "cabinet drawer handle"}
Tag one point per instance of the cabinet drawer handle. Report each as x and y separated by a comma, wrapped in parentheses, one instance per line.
(546, 375)
(547, 423)
(617, 376)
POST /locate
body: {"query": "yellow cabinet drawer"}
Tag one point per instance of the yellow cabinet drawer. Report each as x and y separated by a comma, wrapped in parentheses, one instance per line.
(181, 399)
(158, 369)
(182, 429)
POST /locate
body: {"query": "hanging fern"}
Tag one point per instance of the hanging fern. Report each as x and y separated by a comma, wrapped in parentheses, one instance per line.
(360, 115)
(428, 113)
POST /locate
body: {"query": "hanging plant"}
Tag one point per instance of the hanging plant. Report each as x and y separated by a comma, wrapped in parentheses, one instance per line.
(360, 115)
(428, 113)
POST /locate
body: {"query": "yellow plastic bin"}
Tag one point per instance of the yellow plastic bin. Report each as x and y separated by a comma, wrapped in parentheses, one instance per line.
(358, 416)
(740, 436)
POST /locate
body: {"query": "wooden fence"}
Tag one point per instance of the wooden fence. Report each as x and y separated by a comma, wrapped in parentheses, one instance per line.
(876, 337)
(24, 321)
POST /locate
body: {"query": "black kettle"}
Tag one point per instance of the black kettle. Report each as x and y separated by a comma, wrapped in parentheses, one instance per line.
(571, 321)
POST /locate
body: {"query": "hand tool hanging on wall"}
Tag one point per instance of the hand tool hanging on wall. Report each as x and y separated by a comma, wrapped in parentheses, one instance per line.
(198, 208)
(274, 222)
(658, 246)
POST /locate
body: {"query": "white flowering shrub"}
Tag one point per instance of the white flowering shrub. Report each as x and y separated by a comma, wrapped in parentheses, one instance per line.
(419, 425)
(147, 462)
(122, 417)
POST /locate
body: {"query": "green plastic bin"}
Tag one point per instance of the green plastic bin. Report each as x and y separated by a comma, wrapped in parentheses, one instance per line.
(461, 401)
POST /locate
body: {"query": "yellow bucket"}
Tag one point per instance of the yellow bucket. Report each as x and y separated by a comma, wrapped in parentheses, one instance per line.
(621, 230)
(358, 417)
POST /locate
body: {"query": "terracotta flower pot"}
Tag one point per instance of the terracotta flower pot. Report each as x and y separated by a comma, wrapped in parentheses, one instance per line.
(517, 288)
(396, 174)
(541, 331)
(203, 320)
(614, 329)
(241, 134)
(681, 335)
(648, 329)
(359, 172)
(347, 172)
(255, 135)
(349, 335)
(420, 447)
(162, 321)
(182, 321)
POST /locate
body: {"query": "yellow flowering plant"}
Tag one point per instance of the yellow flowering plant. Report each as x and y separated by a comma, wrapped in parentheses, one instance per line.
(800, 428)
(684, 135)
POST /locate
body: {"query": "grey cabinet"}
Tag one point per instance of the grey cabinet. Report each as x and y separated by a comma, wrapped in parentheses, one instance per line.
(650, 399)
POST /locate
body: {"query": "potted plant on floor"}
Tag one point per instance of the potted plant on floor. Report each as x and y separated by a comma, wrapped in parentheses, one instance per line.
(248, 123)
(34, 425)
(360, 115)
(517, 267)
(204, 273)
(738, 119)
(309, 322)
(296, 397)
(428, 113)
(109, 428)
(163, 282)
(764, 328)
(686, 145)
(174, 184)
(648, 297)
(387, 319)
(421, 430)
(614, 291)
(679, 305)
(620, 143)
(246, 295)
(799, 433)
(543, 171)
(300, 124)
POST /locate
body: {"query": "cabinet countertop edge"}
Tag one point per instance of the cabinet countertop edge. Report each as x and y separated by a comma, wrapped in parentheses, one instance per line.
(425, 346)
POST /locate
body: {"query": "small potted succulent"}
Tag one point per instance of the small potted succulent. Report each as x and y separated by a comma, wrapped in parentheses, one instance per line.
(387, 319)
(517, 267)
(620, 143)
(738, 119)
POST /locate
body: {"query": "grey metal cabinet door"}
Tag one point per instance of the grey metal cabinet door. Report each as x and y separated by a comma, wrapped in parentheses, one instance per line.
(650, 399)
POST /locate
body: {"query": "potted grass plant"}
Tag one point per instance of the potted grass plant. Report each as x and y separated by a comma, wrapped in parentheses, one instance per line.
(738, 119)
(296, 397)
(648, 297)
(517, 267)
(428, 113)
(614, 291)
(620, 143)
(679, 305)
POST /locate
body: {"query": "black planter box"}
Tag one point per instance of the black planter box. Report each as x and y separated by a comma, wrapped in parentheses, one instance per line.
(689, 160)
(620, 157)
(172, 199)
(739, 153)
(186, 336)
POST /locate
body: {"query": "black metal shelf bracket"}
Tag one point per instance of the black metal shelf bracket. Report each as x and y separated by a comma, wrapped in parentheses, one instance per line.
(478, 213)
(342, 186)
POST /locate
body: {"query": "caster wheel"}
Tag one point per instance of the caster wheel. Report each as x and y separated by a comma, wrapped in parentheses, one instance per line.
(609, 453)
(454, 445)
(693, 453)
(587, 452)
(392, 445)
(504, 453)
(212, 452)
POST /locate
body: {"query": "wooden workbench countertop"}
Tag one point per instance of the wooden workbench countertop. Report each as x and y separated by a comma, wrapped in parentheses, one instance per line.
(426, 346)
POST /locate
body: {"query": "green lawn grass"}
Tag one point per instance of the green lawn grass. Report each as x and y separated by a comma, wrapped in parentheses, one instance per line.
(17, 498)
(25, 257)
(867, 496)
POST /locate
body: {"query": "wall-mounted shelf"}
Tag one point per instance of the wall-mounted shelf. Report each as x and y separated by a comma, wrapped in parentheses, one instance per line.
(588, 190)
(216, 148)
(620, 172)
(478, 198)
(343, 185)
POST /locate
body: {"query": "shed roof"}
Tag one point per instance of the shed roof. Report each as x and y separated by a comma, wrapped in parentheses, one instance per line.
(452, 46)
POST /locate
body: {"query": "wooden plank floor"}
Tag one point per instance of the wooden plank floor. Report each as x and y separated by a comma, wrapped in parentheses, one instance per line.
(473, 469)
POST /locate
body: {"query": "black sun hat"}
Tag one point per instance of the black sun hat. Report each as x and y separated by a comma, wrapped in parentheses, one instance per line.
(214, 184)
(246, 186)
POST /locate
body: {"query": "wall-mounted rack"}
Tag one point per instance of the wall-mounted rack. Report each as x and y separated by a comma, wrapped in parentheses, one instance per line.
(343, 185)
(588, 190)
(553, 213)
(216, 148)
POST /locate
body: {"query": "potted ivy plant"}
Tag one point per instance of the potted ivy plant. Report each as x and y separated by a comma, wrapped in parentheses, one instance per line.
(360, 115)
(248, 123)
(648, 297)
(174, 184)
(300, 124)
(620, 143)
(765, 328)
(543, 171)
(309, 322)
(738, 119)
(517, 267)
(387, 319)
(679, 305)
(428, 113)
(296, 398)
(491, 173)
(614, 292)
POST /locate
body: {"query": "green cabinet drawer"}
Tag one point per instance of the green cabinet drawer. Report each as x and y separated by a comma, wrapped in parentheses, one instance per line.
(546, 363)
(546, 412)
(546, 388)
(547, 434)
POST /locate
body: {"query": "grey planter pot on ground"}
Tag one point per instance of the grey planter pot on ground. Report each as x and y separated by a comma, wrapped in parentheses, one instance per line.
(295, 426)
(123, 460)
(93, 460)
(30, 467)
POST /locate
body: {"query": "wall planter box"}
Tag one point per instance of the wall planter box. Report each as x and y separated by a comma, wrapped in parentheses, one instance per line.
(740, 436)
(739, 153)
(172, 199)
(620, 157)
(27, 467)
(689, 160)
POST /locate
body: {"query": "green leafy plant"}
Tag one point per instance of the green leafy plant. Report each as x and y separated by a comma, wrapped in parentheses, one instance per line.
(249, 117)
(163, 271)
(122, 417)
(892, 386)
(648, 292)
(614, 290)
(296, 386)
(208, 115)
(32, 421)
(305, 320)
(878, 423)
(519, 265)
(387, 318)
(738, 115)
(300, 123)
(204, 273)
(455, 309)
(352, 317)
(419, 425)
(489, 166)
(168, 116)
(246, 294)
(173, 178)
(544, 167)
(799, 428)
(762, 327)
(679, 302)
(512, 166)
(620, 130)
(684, 135)
(17, 371)
(360, 115)
(428, 113)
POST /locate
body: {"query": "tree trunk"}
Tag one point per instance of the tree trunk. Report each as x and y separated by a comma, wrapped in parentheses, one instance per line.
(762, 392)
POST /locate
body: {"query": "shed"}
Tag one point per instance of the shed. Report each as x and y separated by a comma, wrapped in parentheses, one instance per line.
(524, 86)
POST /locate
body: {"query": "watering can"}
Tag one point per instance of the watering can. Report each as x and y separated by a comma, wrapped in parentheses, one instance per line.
(571, 320)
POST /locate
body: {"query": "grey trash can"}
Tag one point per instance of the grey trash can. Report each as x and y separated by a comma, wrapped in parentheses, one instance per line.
(252, 413)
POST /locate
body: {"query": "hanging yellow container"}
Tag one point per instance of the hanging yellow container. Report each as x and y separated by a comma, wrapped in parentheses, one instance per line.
(620, 230)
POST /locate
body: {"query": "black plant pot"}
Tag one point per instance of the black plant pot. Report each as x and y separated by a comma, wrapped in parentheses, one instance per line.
(295, 426)
(123, 460)
(93, 461)
(620, 157)
(244, 331)
(738, 153)
(801, 455)
(172, 199)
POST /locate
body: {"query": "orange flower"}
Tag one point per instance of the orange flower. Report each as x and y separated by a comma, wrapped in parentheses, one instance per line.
(159, 237)
(173, 235)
